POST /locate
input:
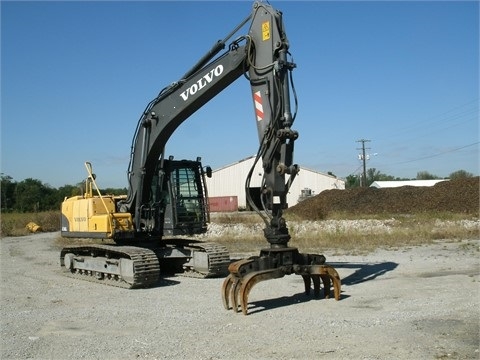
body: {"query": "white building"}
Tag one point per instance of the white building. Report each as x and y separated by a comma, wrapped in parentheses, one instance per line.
(229, 181)
(390, 184)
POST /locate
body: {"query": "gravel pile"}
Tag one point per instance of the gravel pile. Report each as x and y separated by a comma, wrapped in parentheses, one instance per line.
(456, 196)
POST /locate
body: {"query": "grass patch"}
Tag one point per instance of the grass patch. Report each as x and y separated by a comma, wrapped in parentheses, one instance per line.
(241, 217)
(14, 224)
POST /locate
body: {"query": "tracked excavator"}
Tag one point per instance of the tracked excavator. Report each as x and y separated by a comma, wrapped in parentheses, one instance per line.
(262, 57)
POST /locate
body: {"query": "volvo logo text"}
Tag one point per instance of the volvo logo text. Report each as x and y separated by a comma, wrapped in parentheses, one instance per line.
(202, 82)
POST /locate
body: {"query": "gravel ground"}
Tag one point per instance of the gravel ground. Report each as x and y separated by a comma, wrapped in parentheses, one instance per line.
(413, 303)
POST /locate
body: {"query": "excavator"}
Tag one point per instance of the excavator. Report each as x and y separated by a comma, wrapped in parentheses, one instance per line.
(142, 217)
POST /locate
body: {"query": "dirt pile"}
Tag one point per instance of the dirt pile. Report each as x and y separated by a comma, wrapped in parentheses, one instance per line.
(456, 196)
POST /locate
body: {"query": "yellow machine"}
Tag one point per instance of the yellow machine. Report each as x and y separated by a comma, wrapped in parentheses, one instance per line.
(94, 216)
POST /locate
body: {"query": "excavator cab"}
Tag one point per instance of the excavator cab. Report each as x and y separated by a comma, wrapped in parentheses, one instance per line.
(179, 186)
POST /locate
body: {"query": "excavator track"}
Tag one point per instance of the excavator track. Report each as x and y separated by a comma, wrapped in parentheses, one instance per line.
(208, 260)
(122, 266)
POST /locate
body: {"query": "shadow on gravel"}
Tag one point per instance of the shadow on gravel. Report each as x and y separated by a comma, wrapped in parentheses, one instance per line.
(269, 304)
(165, 282)
(364, 271)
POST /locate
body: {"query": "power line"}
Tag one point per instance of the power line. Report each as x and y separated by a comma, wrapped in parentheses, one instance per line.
(442, 153)
(444, 117)
(456, 116)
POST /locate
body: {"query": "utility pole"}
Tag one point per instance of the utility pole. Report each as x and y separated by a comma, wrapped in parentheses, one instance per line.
(363, 157)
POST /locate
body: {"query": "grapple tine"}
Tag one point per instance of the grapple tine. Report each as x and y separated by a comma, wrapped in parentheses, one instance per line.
(234, 293)
(337, 284)
(308, 283)
(326, 285)
(316, 285)
(329, 276)
(226, 288)
(253, 278)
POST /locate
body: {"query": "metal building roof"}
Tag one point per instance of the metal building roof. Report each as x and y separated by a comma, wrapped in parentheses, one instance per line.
(391, 184)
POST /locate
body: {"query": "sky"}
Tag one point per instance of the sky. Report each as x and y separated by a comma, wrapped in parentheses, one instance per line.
(76, 76)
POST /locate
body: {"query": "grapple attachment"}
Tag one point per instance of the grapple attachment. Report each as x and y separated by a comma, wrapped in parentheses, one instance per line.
(275, 263)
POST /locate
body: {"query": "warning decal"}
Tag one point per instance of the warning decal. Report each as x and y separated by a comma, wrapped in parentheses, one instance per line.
(266, 30)
(257, 97)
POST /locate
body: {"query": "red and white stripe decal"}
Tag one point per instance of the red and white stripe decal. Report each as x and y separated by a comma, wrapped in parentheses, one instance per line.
(257, 98)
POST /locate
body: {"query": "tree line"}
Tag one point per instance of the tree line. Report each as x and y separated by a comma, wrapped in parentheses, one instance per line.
(31, 195)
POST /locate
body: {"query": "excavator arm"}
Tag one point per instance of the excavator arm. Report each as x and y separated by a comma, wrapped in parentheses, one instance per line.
(269, 69)
(261, 55)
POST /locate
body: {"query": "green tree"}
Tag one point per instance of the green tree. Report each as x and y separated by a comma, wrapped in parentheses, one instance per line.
(460, 174)
(68, 191)
(375, 175)
(49, 199)
(352, 181)
(32, 195)
(113, 191)
(7, 186)
(372, 175)
(425, 175)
